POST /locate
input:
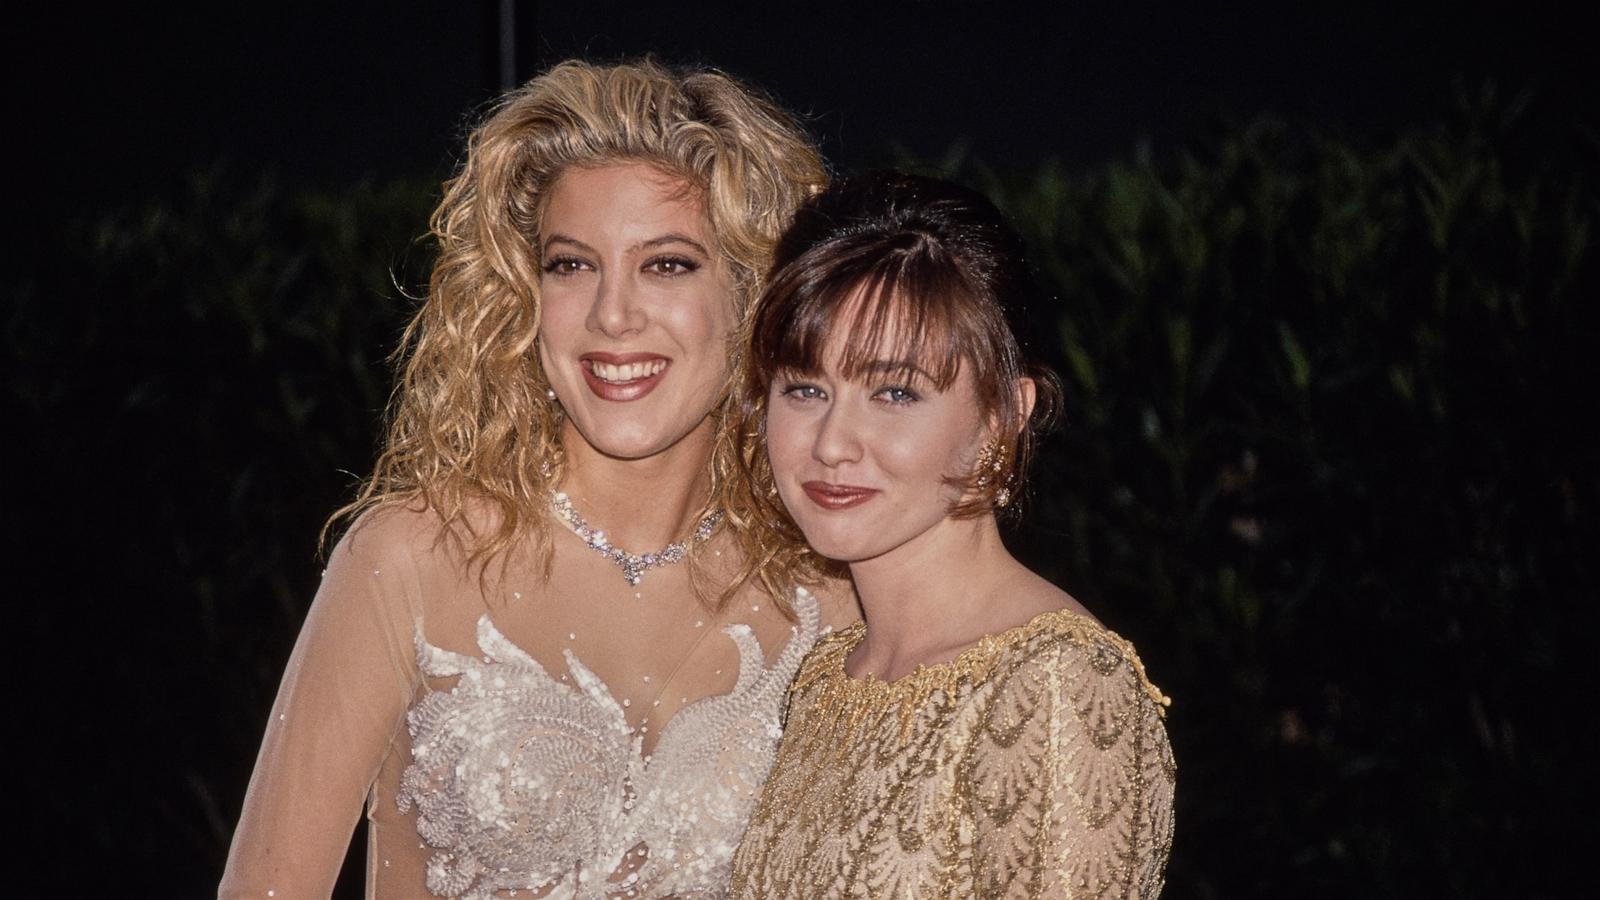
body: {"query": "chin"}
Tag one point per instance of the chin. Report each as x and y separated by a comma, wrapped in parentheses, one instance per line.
(851, 554)
(841, 548)
(633, 437)
(630, 446)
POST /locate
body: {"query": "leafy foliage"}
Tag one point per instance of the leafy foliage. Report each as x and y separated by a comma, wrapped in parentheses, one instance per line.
(1323, 463)
(195, 383)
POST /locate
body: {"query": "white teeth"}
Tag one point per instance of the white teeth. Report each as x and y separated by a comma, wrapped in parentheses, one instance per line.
(626, 372)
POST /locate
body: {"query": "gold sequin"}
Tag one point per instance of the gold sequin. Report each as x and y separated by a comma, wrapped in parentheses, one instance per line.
(1035, 764)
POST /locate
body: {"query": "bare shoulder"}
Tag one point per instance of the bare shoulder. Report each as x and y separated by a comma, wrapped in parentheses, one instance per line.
(1034, 594)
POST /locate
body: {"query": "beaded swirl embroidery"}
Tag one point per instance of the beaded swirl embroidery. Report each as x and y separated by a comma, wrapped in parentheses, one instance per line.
(523, 782)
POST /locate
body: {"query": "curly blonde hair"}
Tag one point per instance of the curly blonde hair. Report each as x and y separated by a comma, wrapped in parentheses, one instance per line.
(469, 422)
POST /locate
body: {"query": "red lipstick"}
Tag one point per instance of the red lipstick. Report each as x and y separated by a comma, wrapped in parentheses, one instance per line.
(609, 376)
(837, 496)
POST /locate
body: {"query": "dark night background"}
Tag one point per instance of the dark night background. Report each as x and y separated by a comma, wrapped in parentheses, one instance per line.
(1325, 277)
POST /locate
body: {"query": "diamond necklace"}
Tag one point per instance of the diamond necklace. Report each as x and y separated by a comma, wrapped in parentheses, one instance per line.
(633, 565)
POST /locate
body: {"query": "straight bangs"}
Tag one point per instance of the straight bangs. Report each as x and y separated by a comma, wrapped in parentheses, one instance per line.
(900, 314)
(886, 275)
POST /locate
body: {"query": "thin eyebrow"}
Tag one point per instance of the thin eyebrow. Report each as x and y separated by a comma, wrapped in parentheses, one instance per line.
(564, 239)
(895, 367)
(651, 244)
(675, 239)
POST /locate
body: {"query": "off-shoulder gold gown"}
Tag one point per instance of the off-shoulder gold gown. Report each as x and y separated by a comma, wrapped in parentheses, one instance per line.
(1033, 765)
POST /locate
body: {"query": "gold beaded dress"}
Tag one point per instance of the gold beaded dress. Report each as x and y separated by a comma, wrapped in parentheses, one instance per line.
(1034, 765)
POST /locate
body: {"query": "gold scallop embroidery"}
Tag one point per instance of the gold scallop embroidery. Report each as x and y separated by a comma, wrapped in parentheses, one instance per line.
(1034, 764)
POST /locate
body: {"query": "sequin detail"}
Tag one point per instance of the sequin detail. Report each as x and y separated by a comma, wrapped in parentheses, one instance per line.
(1033, 765)
(522, 781)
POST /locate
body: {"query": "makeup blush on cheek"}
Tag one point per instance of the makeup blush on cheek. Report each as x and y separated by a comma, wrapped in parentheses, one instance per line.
(636, 310)
(864, 469)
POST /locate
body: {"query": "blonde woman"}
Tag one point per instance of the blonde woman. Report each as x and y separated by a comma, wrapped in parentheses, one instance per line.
(980, 735)
(549, 655)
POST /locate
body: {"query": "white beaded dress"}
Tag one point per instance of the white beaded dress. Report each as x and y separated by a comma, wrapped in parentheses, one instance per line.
(511, 736)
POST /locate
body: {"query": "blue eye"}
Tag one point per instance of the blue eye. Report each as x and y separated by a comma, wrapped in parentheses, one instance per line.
(899, 395)
(801, 391)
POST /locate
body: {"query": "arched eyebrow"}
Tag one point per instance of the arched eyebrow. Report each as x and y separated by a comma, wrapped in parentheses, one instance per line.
(560, 237)
(880, 367)
(662, 241)
(675, 239)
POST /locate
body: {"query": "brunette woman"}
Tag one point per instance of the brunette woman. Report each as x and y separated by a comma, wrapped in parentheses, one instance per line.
(981, 734)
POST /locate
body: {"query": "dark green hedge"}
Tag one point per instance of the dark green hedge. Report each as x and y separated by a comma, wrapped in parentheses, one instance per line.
(196, 382)
(1324, 461)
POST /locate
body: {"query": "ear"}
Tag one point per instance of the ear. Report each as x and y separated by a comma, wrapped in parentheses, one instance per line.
(1027, 395)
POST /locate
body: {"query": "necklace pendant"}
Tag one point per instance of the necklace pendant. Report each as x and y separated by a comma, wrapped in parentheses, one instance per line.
(633, 567)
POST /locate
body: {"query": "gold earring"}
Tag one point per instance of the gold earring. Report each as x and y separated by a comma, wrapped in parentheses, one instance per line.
(991, 463)
(988, 463)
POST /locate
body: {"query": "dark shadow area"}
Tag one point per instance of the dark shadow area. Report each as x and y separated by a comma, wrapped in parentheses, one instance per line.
(1324, 290)
(1322, 462)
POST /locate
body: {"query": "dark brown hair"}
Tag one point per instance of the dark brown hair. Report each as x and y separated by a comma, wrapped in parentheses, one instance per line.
(932, 267)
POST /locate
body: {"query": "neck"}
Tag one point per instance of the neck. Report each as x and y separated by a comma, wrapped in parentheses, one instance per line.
(641, 504)
(930, 594)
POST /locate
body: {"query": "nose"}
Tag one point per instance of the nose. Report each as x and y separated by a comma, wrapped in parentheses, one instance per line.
(615, 311)
(838, 438)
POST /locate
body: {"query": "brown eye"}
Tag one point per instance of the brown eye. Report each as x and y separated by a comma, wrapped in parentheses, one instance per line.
(564, 265)
(671, 266)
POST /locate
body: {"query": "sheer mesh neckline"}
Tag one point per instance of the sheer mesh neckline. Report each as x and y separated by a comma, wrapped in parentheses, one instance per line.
(481, 776)
(523, 781)
(498, 648)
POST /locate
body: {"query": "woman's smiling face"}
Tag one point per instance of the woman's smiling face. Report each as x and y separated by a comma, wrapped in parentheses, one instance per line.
(864, 465)
(636, 307)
